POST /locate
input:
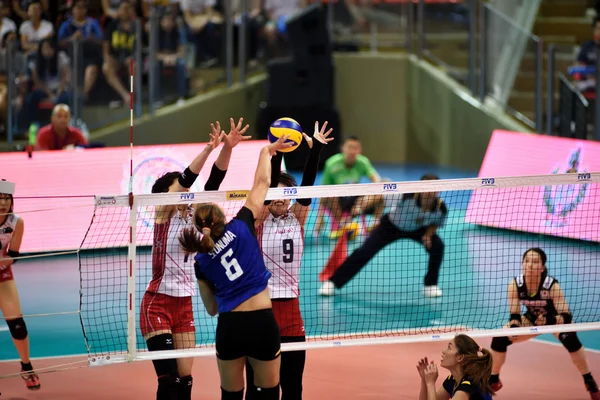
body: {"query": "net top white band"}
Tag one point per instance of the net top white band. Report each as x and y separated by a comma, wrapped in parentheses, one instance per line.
(384, 188)
(7, 187)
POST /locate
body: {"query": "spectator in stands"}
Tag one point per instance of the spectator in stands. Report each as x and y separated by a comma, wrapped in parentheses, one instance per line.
(34, 30)
(21, 8)
(255, 22)
(348, 167)
(202, 23)
(586, 83)
(110, 9)
(171, 52)
(51, 73)
(58, 135)
(88, 32)
(6, 24)
(18, 66)
(278, 12)
(118, 48)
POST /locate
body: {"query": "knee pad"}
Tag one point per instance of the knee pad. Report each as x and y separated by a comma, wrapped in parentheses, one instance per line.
(168, 388)
(225, 395)
(163, 367)
(570, 341)
(185, 388)
(268, 393)
(17, 328)
(500, 344)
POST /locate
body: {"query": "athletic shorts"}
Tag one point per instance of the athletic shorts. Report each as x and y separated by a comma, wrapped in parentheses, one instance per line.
(288, 316)
(162, 312)
(6, 274)
(252, 334)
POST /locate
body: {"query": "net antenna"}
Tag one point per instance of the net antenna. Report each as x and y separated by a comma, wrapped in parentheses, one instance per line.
(131, 253)
(383, 304)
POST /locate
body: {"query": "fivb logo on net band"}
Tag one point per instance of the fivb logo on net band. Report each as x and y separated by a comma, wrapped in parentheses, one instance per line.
(149, 166)
(562, 200)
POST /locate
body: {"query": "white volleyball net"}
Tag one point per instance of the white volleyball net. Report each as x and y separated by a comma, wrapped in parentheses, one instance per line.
(489, 225)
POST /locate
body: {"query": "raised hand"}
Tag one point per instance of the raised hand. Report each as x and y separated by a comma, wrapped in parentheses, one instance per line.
(281, 143)
(236, 133)
(321, 135)
(421, 366)
(216, 136)
(431, 373)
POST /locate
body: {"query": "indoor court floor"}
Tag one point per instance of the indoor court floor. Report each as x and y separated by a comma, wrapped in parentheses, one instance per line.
(381, 297)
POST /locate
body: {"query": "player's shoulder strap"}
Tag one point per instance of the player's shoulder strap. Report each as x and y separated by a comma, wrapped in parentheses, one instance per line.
(520, 281)
(12, 219)
(548, 282)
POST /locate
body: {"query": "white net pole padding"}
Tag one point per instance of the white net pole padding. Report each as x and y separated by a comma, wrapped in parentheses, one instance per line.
(490, 223)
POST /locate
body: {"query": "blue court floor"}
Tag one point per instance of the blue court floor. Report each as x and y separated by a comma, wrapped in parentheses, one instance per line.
(384, 297)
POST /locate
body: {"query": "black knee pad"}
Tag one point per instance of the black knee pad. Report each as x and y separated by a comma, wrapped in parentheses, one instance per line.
(225, 395)
(500, 344)
(168, 388)
(163, 367)
(570, 341)
(185, 388)
(268, 393)
(17, 328)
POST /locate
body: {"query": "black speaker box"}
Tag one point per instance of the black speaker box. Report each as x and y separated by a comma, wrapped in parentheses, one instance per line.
(308, 35)
(306, 117)
(290, 85)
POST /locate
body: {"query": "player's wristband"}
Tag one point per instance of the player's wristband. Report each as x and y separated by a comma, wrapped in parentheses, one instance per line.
(187, 178)
(515, 317)
(567, 317)
(550, 319)
(214, 179)
(13, 254)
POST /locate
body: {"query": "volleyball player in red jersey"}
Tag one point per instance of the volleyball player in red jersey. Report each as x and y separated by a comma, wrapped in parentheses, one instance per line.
(545, 302)
(166, 317)
(11, 235)
(280, 232)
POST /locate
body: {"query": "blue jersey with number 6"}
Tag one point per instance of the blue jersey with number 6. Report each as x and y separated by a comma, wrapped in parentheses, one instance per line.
(235, 266)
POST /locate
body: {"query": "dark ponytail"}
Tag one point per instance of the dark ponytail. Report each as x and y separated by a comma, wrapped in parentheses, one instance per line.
(477, 362)
(208, 219)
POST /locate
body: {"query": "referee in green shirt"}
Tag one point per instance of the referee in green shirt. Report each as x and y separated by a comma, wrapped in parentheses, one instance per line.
(348, 167)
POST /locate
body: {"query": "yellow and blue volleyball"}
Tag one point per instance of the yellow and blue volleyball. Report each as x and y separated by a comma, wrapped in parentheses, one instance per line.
(286, 126)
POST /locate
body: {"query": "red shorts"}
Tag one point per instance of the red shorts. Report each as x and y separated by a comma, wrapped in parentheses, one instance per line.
(161, 312)
(288, 316)
(6, 274)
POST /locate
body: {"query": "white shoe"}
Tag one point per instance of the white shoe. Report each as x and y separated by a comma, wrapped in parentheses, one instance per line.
(432, 291)
(327, 289)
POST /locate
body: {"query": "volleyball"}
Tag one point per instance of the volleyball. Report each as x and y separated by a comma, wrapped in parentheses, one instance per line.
(286, 126)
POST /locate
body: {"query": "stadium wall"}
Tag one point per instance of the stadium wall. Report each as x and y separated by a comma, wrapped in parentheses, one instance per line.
(404, 110)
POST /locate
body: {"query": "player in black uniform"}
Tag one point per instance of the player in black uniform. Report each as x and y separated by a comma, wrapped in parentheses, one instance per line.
(545, 302)
(470, 368)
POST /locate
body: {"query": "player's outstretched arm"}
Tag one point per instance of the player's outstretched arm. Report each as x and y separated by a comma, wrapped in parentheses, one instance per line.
(514, 305)
(262, 176)
(208, 297)
(230, 140)
(560, 303)
(317, 143)
(188, 177)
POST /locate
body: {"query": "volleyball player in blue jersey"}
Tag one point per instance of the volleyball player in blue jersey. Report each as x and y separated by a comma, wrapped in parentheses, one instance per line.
(470, 368)
(233, 280)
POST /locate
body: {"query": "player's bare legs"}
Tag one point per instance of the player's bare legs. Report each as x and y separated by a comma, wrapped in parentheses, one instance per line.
(11, 310)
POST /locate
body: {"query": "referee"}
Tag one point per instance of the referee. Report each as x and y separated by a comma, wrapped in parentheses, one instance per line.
(416, 217)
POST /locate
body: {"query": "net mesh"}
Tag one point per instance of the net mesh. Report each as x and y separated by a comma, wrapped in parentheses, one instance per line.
(488, 225)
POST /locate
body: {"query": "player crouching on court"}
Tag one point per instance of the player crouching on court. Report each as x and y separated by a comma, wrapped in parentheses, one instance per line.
(470, 367)
(11, 235)
(417, 217)
(545, 302)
